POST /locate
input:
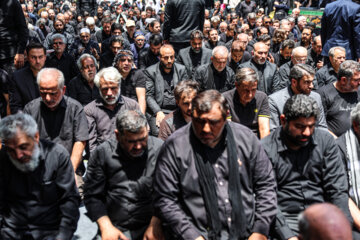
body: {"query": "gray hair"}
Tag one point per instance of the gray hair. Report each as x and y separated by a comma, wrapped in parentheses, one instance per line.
(110, 74)
(130, 120)
(220, 50)
(300, 105)
(298, 71)
(186, 87)
(215, 19)
(288, 43)
(82, 57)
(355, 114)
(301, 18)
(90, 21)
(251, 15)
(10, 125)
(57, 36)
(332, 50)
(204, 101)
(246, 75)
(348, 68)
(298, 49)
(60, 77)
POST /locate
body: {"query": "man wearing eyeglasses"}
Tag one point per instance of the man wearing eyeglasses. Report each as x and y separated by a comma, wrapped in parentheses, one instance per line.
(60, 59)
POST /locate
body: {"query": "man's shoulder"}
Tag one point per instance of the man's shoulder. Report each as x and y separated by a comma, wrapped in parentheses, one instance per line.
(130, 103)
(73, 102)
(152, 69)
(50, 149)
(33, 105)
(276, 96)
(202, 68)
(179, 67)
(18, 75)
(185, 51)
(259, 95)
(154, 143)
(327, 90)
(229, 94)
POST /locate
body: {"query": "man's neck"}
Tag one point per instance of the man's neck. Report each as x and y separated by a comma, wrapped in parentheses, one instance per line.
(110, 107)
(186, 117)
(35, 72)
(58, 55)
(124, 74)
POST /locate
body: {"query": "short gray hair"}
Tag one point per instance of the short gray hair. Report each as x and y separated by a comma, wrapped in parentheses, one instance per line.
(246, 75)
(10, 125)
(355, 114)
(82, 57)
(301, 105)
(110, 74)
(220, 50)
(57, 36)
(251, 15)
(90, 21)
(130, 120)
(60, 79)
(332, 50)
(298, 71)
(348, 68)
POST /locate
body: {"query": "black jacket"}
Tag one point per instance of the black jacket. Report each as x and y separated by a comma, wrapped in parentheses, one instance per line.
(155, 85)
(86, 5)
(185, 58)
(147, 58)
(204, 75)
(181, 18)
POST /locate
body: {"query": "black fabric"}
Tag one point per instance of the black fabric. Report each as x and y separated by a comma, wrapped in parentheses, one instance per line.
(147, 58)
(81, 91)
(135, 79)
(66, 64)
(207, 185)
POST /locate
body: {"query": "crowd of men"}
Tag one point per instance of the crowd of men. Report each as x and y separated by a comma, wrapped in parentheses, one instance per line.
(179, 119)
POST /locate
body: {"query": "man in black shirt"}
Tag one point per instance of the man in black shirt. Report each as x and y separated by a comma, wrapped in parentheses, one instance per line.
(38, 196)
(60, 59)
(284, 54)
(123, 169)
(60, 119)
(133, 80)
(107, 58)
(216, 75)
(249, 106)
(161, 79)
(340, 97)
(82, 87)
(315, 59)
(306, 163)
(213, 179)
(150, 56)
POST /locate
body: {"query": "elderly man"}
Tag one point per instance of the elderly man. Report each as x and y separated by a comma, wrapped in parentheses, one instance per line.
(216, 75)
(306, 163)
(328, 73)
(22, 86)
(84, 45)
(101, 113)
(185, 91)
(133, 80)
(340, 97)
(195, 196)
(298, 55)
(195, 55)
(161, 79)
(138, 46)
(60, 119)
(123, 168)
(248, 106)
(82, 87)
(265, 70)
(301, 77)
(41, 202)
(130, 31)
(60, 59)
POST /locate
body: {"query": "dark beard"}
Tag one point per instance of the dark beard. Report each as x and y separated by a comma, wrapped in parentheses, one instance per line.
(293, 140)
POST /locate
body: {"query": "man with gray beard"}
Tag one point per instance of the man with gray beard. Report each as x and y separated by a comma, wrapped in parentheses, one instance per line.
(101, 113)
(38, 195)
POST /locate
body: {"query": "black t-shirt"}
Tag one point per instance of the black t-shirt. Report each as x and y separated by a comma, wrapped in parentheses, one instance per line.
(248, 115)
(337, 108)
(136, 79)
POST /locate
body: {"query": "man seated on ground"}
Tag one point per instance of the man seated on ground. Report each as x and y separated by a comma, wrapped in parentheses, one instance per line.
(302, 77)
(38, 195)
(213, 180)
(133, 80)
(118, 182)
(315, 59)
(161, 79)
(101, 113)
(216, 75)
(107, 58)
(213, 40)
(84, 45)
(284, 54)
(306, 163)
(150, 56)
(238, 55)
(185, 91)
(340, 97)
(195, 55)
(249, 106)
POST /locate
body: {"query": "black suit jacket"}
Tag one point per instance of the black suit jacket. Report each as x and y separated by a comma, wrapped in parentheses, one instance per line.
(22, 89)
(184, 58)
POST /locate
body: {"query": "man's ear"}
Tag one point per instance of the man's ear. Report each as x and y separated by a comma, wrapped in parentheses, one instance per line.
(343, 80)
(117, 134)
(37, 137)
(282, 120)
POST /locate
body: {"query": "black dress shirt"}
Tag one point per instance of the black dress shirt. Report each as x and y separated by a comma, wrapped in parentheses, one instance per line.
(65, 125)
(325, 75)
(313, 174)
(43, 201)
(66, 64)
(178, 199)
(81, 91)
(119, 186)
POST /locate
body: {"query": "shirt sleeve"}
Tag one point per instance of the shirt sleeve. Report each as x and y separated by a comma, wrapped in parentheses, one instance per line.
(263, 107)
(81, 130)
(140, 79)
(274, 114)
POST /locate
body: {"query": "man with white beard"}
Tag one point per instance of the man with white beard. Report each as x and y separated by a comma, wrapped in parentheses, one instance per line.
(101, 113)
(38, 195)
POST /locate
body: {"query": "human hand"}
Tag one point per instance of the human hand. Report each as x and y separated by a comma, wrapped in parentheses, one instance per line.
(81, 50)
(270, 58)
(19, 60)
(112, 233)
(154, 231)
(293, 238)
(320, 64)
(257, 236)
(159, 117)
(200, 238)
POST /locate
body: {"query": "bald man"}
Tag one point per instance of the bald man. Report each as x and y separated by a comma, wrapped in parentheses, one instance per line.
(265, 70)
(324, 221)
(161, 79)
(298, 55)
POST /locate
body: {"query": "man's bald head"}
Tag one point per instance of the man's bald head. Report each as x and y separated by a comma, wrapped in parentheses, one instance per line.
(299, 55)
(324, 221)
